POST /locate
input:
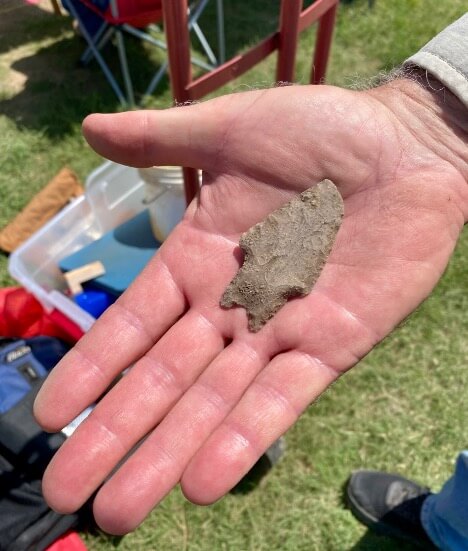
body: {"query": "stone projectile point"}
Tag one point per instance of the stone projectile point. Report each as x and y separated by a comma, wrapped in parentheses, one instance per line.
(285, 253)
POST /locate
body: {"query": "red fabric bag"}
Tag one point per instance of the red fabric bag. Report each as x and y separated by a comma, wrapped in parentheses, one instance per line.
(22, 315)
(70, 541)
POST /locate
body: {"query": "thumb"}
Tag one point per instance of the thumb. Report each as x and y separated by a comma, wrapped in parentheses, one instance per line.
(189, 136)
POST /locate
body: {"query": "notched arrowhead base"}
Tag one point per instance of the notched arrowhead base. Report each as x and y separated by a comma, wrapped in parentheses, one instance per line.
(285, 253)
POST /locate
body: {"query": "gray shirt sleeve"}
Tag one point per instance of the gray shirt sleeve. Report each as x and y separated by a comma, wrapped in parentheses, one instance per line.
(446, 57)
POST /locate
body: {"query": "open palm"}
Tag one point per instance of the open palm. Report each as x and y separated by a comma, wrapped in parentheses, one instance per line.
(210, 396)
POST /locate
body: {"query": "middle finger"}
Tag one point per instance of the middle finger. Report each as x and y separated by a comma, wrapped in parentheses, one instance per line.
(158, 464)
(130, 410)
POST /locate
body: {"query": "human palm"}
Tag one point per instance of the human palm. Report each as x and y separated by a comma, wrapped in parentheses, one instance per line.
(209, 396)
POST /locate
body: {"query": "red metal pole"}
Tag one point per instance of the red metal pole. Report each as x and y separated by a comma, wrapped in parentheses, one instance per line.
(323, 45)
(191, 184)
(180, 69)
(175, 13)
(289, 32)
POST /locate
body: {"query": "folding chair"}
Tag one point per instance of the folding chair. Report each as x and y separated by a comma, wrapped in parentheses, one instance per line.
(133, 17)
(293, 20)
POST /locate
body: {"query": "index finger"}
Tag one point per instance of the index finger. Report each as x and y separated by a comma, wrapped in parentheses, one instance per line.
(122, 335)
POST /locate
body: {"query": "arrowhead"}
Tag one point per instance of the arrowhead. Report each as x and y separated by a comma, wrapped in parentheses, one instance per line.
(285, 253)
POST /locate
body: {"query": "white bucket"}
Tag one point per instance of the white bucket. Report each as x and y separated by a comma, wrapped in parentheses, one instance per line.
(165, 197)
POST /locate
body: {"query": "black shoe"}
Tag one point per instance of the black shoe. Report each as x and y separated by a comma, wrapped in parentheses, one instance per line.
(389, 504)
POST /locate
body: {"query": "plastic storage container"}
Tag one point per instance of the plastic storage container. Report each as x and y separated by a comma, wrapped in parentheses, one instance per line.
(113, 194)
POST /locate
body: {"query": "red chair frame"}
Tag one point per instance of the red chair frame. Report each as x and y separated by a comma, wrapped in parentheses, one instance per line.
(293, 20)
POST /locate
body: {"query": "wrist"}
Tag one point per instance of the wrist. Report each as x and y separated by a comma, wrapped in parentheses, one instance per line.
(434, 116)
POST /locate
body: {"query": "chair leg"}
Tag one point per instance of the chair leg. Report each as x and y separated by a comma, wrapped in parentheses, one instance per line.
(97, 42)
(98, 56)
(156, 79)
(194, 13)
(221, 35)
(124, 66)
(100, 39)
(204, 42)
(144, 36)
(162, 70)
(160, 44)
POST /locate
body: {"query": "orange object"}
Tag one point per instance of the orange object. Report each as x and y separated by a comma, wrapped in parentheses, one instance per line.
(42, 207)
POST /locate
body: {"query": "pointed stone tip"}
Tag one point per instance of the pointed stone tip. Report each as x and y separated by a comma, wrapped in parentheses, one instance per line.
(255, 324)
(286, 253)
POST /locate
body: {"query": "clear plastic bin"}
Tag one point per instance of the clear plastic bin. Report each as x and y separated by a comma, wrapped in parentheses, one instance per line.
(114, 193)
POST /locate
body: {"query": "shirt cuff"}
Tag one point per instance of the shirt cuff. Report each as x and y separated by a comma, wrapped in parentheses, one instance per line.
(446, 58)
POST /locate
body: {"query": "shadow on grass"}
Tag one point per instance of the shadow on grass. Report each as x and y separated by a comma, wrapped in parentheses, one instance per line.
(56, 93)
(24, 23)
(371, 542)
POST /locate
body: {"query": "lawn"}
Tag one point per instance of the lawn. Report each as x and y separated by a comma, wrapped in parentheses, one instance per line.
(403, 408)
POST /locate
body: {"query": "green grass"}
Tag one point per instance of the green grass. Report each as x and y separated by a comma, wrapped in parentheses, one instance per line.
(402, 409)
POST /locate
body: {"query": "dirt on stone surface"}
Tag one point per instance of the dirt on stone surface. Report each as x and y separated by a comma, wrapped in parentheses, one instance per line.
(285, 253)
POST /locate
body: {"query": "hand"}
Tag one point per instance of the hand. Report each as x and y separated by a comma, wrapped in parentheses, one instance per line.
(210, 396)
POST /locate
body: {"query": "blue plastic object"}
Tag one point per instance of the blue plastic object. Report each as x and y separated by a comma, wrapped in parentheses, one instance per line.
(94, 301)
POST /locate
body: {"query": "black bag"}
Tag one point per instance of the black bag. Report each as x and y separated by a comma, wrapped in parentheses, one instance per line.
(26, 522)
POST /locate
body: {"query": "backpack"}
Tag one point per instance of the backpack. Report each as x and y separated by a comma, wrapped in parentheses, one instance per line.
(26, 522)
